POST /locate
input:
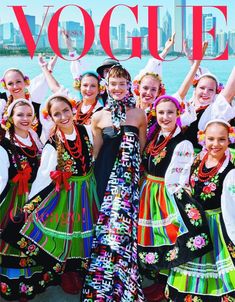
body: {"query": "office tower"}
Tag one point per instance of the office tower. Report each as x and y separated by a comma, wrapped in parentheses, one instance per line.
(232, 41)
(208, 23)
(121, 36)
(166, 27)
(8, 32)
(31, 23)
(222, 38)
(179, 24)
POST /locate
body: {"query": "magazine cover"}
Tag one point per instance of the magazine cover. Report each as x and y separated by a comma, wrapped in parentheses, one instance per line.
(117, 151)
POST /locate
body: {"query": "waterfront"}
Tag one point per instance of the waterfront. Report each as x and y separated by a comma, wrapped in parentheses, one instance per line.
(173, 71)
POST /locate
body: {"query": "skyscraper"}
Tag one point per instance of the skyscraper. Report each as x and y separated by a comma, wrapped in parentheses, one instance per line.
(208, 23)
(166, 27)
(31, 23)
(121, 36)
(179, 24)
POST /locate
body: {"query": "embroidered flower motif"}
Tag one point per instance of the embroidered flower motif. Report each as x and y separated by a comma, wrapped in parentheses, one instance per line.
(227, 299)
(29, 207)
(159, 156)
(25, 262)
(22, 243)
(5, 289)
(198, 242)
(26, 289)
(231, 249)
(190, 298)
(149, 258)
(32, 250)
(194, 214)
(57, 268)
(172, 254)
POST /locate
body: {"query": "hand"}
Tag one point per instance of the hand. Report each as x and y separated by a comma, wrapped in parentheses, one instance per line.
(41, 61)
(186, 50)
(52, 62)
(67, 39)
(204, 47)
(170, 42)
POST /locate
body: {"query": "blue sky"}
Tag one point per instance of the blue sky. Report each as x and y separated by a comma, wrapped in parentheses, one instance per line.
(99, 8)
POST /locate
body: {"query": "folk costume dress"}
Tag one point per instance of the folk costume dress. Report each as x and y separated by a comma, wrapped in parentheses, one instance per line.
(210, 277)
(21, 275)
(113, 273)
(219, 108)
(63, 204)
(165, 224)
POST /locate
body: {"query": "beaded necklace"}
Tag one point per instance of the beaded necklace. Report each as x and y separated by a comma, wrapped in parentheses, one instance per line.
(82, 118)
(156, 149)
(205, 176)
(22, 146)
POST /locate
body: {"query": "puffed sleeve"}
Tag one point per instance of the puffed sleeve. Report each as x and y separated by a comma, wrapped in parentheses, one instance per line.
(2, 108)
(48, 164)
(220, 108)
(5, 164)
(178, 172)
(76, 67)
(228, 204)
(38, 88)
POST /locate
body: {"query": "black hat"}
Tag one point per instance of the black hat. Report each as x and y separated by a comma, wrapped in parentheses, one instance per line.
(108, 62)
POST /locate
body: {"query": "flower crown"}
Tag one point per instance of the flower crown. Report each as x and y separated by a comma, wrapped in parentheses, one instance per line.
(26, 81)
(73, 103)
(219, 85)
(101, 82)
(202, 137)
(136, 84)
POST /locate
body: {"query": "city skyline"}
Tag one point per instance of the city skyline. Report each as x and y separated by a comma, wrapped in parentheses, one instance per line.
(176, 19)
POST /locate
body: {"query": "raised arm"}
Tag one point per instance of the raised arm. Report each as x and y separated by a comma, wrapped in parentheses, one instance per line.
(54, 86)
(183, 90)
(169, 43)
(229, 91)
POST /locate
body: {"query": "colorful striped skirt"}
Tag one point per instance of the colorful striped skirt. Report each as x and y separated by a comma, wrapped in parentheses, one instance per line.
(62, 226)
(166, 228)
(210, 277)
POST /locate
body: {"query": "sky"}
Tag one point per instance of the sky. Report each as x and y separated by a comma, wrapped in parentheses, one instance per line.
(121, 15)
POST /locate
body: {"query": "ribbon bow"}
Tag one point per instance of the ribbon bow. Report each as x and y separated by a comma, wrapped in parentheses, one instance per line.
(22, 177)
(60, 178)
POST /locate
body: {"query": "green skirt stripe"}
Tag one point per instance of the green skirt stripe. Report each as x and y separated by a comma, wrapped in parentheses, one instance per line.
(212, 274)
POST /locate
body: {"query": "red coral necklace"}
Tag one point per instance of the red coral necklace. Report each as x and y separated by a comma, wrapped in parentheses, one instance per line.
(22, 146)
(205, 176)
(156, 149)
(83, 118)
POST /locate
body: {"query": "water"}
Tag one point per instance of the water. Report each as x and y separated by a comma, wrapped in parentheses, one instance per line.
(173, 71)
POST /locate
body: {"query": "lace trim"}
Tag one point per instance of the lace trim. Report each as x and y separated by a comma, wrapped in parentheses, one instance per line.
(163, 222)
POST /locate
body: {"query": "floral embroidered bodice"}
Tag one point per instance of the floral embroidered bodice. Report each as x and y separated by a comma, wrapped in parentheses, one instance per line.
(208, 193)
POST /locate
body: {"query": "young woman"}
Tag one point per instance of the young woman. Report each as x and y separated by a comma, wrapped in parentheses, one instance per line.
(148, 84)
(208, 102)
(210, 277)
(64, 192)
(119, 136)
(21, 276)
(19, 86)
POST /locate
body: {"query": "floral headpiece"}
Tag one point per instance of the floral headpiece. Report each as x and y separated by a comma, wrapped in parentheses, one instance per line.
(219, 86)
(26, 78)
(136, 83)
(101, 82)
(172, 99)
(231, 132)
(6, 119)
(73, 103)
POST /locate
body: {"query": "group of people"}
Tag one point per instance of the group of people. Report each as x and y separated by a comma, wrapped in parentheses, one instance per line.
(119, 184)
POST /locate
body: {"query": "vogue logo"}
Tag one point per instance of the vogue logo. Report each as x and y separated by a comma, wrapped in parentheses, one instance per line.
(104, 32)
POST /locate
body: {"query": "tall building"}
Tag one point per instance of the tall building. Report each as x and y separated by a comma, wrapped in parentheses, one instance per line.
(144, 35)
(232, 41)
(222, 38)
(113, 33)
(121, 36)
(189, 34)
(208, 23)
(8, 32)
(179, 24)
(31, 23)
(46, 22)
(166, 27)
